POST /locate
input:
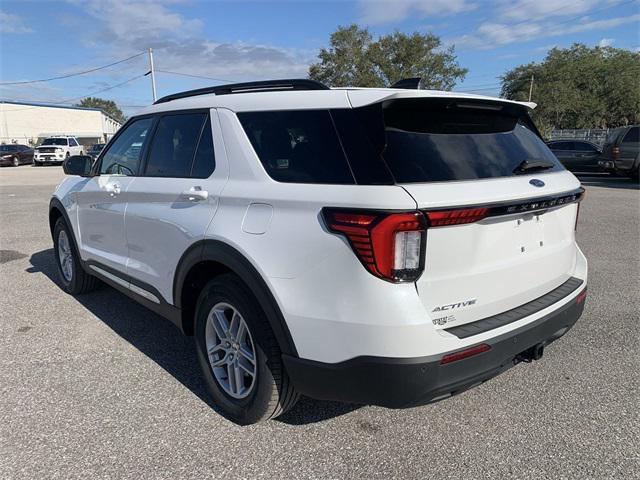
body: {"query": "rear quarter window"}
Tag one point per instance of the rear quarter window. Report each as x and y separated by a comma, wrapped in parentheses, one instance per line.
(298, 146)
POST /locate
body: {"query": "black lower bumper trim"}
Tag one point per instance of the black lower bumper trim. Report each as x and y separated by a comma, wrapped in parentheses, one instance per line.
(515, 314)
(406, 382)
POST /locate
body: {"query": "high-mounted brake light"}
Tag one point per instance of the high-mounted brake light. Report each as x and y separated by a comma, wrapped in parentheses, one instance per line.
(456, 217)
(389, 245)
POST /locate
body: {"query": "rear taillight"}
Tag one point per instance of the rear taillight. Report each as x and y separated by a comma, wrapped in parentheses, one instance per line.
(389, 245)
(615, 153)
(458, 216)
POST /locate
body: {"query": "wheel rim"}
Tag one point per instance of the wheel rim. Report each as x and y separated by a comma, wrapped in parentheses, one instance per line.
(231, 352)
(64, 256)
(16, 162)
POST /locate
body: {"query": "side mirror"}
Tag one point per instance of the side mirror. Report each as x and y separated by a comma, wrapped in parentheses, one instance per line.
(78, 165)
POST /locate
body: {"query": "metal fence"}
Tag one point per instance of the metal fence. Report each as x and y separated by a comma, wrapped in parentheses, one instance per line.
(594, 135)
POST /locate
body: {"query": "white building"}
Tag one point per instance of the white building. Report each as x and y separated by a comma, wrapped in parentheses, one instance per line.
(30, 123)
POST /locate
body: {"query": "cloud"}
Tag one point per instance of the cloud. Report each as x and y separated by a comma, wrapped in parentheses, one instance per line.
(123, 28)
(386, 11)
(10, 23)
(493, 34)
(606, 42)
(540, 9)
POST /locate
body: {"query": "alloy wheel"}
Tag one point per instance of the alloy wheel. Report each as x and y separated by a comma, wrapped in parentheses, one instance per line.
(231, 351)
(64, 255)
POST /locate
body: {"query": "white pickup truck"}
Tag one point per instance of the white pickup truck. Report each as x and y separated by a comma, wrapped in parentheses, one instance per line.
(56, 150)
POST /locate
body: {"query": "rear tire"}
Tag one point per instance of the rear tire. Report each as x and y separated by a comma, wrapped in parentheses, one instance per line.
(73, 279)
(16, 162)
(262, 396)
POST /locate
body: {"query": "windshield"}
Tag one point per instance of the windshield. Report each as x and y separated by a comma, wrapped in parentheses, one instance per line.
(55, 141)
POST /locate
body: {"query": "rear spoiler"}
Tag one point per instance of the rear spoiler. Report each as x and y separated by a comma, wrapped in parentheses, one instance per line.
(361, 97)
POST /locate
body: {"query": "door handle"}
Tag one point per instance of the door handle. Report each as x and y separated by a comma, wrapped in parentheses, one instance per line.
(113, 189)
(195, 194)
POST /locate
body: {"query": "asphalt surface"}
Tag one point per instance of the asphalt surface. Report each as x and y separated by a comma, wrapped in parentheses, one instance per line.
(99, 387)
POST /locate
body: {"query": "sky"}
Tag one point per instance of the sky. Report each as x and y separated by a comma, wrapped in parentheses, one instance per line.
(240, 41)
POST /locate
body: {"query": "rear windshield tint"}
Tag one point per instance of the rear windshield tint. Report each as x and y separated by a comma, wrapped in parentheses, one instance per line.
(300, 146)
(436, 142)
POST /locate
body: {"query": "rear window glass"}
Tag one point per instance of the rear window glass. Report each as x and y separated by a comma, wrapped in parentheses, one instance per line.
(174, 145)
(632, 135)
(435, 141)
(298, 146)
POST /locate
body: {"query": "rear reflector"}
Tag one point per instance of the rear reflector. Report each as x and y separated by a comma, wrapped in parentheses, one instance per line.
(466, 353)
(456, 217)
(581, 296)
(389, 245)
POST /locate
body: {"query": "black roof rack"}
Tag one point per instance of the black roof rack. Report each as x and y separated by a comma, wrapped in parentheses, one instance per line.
(246, 87)
(414, 83)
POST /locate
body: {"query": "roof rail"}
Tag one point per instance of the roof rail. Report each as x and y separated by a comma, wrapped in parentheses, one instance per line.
(414, 83)
(246, 87)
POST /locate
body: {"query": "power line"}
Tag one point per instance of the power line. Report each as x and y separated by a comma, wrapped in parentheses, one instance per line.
(73, 74)
(196, 76)
(73, 100)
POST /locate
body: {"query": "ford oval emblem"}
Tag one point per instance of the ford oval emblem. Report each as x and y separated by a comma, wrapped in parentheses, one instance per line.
(536, 183)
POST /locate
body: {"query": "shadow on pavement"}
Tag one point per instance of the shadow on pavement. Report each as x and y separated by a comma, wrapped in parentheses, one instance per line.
(163, 343)
(608, 181)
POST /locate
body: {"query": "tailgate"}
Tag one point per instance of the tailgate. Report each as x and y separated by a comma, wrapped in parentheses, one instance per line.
(522, 249)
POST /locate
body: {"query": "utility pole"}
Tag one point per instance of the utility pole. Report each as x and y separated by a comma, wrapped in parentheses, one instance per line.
(530, 87)
(153, 75)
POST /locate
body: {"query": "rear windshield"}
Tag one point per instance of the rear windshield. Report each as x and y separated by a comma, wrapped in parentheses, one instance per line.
(403, 141)
(427, 142)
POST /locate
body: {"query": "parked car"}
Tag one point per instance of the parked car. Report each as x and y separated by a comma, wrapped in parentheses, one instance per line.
(338, 243)
(577, 155)
(55, 150)
(621, 152)
(95, 149)
(15, 154)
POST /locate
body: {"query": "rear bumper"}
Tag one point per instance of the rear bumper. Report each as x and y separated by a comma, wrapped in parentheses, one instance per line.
(406, 382)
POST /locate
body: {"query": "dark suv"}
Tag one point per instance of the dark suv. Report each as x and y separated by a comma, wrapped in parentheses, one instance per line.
(621, 151)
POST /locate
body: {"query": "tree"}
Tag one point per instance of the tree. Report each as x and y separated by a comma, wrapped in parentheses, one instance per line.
(580, 87)
(108, 106)
(355, 59)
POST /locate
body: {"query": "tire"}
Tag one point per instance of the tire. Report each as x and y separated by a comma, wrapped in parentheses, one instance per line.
(269, 392)
(73, 279)
(16, 162)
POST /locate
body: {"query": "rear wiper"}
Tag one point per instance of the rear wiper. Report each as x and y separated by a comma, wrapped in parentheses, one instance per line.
(533, 164)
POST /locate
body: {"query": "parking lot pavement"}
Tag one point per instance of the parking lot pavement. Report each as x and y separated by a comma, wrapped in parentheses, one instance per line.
(99, 387)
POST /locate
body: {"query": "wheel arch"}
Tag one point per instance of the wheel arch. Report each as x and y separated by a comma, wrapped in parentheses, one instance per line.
(208, 258)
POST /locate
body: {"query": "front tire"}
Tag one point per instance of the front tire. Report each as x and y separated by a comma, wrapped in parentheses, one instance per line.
(16, 162)
(239, 354)
(73, 279)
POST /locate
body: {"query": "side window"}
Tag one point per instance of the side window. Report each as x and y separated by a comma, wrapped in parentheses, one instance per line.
(298, 146)
(584, 147)
(204, 162)
(632, 135)
(123, 156)
(73, 142)
(560, 146)
(174, 145)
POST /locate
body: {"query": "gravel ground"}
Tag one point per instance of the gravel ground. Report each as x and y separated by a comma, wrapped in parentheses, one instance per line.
(99, 387)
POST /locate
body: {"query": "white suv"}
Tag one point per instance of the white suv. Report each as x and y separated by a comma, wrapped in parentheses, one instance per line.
(380, 246)
(55, 150)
